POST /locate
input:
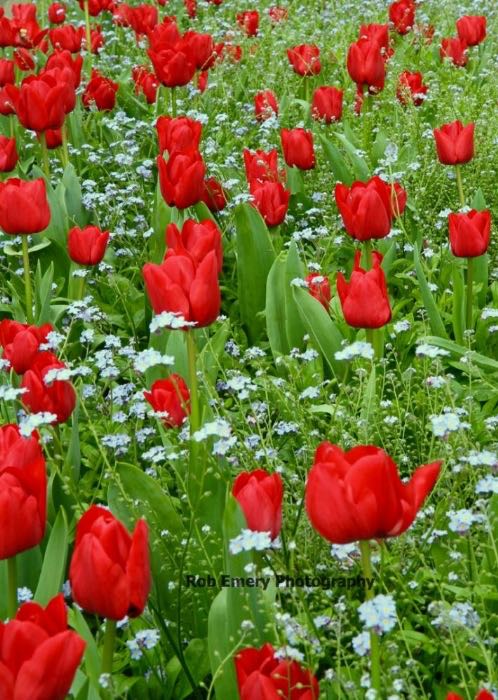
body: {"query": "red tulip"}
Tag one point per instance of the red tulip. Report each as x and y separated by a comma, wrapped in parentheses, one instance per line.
(95, 7)
(327, 104)
(39, 656)
(6, 104)
(178, 134)
(53, 138)
(411, 89)
(8, 154)
(469, 233)
(39, 102)
(100, 92)
(481, 695)
(366, 208)
(471, 29)
(24, 60)
(21, 343)
(260, 496)
(145, 82)
(261, 166)
(251, 659)
(87, 246)
(57, 396)
(297, 145)
(364, 299)
(278, 14)
(202, 80)
(402, 15)
(67, 38)
(455, 143)
(178, 286)
(64, 60)
(171, 397)
(455, 49)
(23, 493)
(7, 72)
(201, 49)
(142, 19)
(249, 21)
(265, 105)
(181, 178)
(319, 288)
(214, 196)
(110, 570)
(358, 495)
(378, 33)
(366, 65)
(196, 240)
(305, 59)
(174, 66)
(23, 206)
(97, 39)
(7, 32)
(164, 35)
(191, 7)
(271, 199)
(56, 13)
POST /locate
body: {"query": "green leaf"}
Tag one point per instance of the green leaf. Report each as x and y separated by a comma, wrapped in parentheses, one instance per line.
(211, 356)
(360, 167)
(337, 162)
(436, 323)
(197, 661)
(73, 197)
(54, 561)
(221, 648)
(459, 351)
(458, 302)
(275, 307)
(92, 657)
(43, 293)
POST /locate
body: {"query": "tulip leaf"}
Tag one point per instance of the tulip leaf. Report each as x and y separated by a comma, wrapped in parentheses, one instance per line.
(481, 277)
(221, 648)
(459, 350)
(73, 197)
(435, 321)
(275, 307)
(211, 355)
(92, 657)
(197, 661)
(161, 217)
(203, 212)
(255, 256)
(458, 302)
(43, 292)
(337, 163)
(54, 561)
(359, 164)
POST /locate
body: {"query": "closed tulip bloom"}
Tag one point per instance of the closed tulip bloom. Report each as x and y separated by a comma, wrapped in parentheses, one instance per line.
(110, 569)
(402, 15)
(53, 138)
(174, 66)
(481, 695)
(214, 196)
(24, 60)
(201, 49)
(358, 494)
(8, 154)
(251, 659)
(100, 92)
(171, 398)
(196, 240)
(67, 38)
(177, 134)
(42, 394)
(64, 60)
(260, 494)
(87, 246)
(471, 29)
(56, 13)
(305, 59)
(39, 102)
(6, 104)
(469, 233)
(265, 105)
(95, 7)
(376, 32)
(7, 72)
(365, 208)
(23, 206)
(399, 198)
(327, 104)
(21, 343)
(455, 49)
(7, 32)
(179, 287)
(39, 656)
(411, 88)
(145, 82)
(366, 65)
(181, 178)
(297, 145)
(364, 299)
(319, 288)
(163, 36)
(271, 199)
(455, 143)
(249, 21)
(261, 166)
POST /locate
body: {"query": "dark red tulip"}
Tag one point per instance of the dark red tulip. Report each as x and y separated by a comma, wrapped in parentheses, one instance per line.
(165, 35)
(358, 495)
(39, 656)
(110, 570)
(8, 154)
(65, 60)
(364, 299)
(261, 166)
(195, 240)
(454, 49)
(411, 88)
(7, 32)
(53, 138)
(21, 343)
(145, 82)
(402, 15)
(326, 104)
(67, 38)
(469, 233)
(23, 493)
(7, 72)
(305, 59)
(471, 29)
(319, 288)
(170, 397)
(57, 13)
(201, 48)
(173, 66)
(100, 92)
(179, 287)
(297, 145)
(376, 32)
(214, 196)
(249, 21)
(57, 396)
(23, 206)
(260, 496)
(366, 208)
(265, 105)
(366, 65)
(178, 134)
(24, 60)
(87, 246)
(39, 102)
(191, 7)
(455, 143)
(271, 199)
(181, 178)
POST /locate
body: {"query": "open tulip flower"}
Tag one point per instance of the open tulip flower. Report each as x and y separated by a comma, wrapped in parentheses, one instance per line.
(21, 343)
(170, 398)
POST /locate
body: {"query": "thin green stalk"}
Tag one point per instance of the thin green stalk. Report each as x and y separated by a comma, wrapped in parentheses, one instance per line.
(460, 186)
(195, 420)
(45, 159)
(28, 293)
(368, 254)
(173, 102)
(88, 35)
(366, 563)
(109, 643)
(65, 151)
(470, 282)
(81, 288)
(11, 587)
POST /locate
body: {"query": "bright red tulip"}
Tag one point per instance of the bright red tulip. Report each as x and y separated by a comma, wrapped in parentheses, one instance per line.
(265, 105)
(327, 104)
(214, 196)
(97, 39)
(87, 246)
(364, 299)
(145, 82)
(481, 695)
(278, 14)
(178, 134)
(261, 166)
(53, 138)
(57, 13)
(67, 38)
(249, 21)
(297, 145)
(39, 102)
(39, 656)
(402, 15)
(271, 199)
(455, 49)
(174, 66)
(95, 7)
(469, 233)
(110, 569)
(8, 154)
(171, 397)
(56, 396)
(260, 496)
(201, 49)
(21, 343)
(165, 35)
(411, 88)
(23, 206)
(100, 92)
(455, 143)
(378, 33)
(64, 60)
(319, 288)
(181, 178)
(366, 65)
(7, 32)
(7, 72)
(471, 29)
(366, 208)
(358, 495)
(305, 59)
(196, 240)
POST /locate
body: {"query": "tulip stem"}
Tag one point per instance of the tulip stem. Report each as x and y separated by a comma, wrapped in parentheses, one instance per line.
(27, 280)
(194, 406)
(460, 186)
(65, 152)
(470, 281)
(366, 563)
(368, 254)
(11, 587)
(86, 5)
(46, 161)
(173, 102)
(109, 643)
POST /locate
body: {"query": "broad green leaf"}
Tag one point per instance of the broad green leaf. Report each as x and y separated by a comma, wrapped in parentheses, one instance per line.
(275, 307)
(73, 197)
(360, 167)
(43, 293)
(197, 661)
(459, 351)
(436, 323)
(337, 162)
(458, 302)
(54, 561)
(222, 648)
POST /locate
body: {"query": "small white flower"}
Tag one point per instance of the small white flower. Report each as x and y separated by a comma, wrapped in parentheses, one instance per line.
(356, 349)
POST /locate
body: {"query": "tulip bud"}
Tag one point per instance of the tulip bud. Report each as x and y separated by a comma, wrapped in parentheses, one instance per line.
(364, 299)
(87, 246)
(260, 496)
